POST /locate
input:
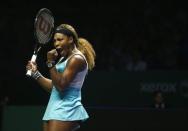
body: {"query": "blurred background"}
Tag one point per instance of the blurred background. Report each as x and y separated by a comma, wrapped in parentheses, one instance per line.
(141, 76)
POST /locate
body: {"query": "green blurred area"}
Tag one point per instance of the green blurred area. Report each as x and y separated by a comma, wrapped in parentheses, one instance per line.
(22, 118)
(136, 89)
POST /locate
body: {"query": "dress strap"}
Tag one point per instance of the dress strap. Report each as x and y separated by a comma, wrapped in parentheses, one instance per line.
(80, 55)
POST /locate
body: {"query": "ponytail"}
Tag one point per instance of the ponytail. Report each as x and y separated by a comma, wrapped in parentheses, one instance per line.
(86, 48)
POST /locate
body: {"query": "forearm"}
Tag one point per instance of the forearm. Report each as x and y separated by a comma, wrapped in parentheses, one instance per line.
(57, 79)
(45, 83)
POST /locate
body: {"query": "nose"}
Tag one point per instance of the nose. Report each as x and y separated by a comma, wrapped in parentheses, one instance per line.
(56, 44)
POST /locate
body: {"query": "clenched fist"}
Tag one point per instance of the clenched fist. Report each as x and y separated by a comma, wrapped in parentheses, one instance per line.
(52, 55)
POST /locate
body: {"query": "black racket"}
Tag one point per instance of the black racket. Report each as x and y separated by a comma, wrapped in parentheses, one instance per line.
(43, 30)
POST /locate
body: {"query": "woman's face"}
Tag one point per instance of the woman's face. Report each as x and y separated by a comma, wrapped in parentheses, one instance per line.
(62, 43)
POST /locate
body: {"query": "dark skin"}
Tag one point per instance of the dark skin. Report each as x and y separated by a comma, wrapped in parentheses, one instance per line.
(64, 47)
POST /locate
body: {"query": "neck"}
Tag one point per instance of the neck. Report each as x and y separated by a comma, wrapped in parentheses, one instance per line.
(71, 50)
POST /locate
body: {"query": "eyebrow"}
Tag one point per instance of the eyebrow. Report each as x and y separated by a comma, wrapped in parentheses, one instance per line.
(58, 38)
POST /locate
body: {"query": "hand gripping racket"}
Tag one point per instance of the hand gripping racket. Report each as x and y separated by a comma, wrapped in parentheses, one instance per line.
(43, 30)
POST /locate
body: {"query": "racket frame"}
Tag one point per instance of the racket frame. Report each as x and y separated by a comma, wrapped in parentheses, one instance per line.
(39, 45)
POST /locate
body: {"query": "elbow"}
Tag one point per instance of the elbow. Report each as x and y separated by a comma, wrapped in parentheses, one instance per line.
(61, 85)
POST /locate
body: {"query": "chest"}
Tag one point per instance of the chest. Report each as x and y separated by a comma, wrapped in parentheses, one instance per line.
(60, 67)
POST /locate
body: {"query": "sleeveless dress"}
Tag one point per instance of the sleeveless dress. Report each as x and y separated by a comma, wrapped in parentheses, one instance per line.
(66, 105)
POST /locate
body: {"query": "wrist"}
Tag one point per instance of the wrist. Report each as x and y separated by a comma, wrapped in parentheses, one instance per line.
(36, 75)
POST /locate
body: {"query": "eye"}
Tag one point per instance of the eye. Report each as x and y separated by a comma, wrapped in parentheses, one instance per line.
(59, 39)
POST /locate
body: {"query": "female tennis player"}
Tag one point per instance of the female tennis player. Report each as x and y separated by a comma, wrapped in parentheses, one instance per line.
(65, 111)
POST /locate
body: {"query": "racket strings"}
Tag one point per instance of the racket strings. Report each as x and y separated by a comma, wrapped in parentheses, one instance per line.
(42, 36)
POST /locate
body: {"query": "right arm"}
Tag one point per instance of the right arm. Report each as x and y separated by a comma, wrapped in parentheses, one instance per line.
(44, 82)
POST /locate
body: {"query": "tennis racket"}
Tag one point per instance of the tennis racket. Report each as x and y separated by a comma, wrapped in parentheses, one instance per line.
(43, 31)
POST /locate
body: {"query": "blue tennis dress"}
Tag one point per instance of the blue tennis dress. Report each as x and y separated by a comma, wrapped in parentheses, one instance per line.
(66, 105)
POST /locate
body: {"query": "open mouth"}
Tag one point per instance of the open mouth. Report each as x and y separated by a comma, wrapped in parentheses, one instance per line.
(59, 50)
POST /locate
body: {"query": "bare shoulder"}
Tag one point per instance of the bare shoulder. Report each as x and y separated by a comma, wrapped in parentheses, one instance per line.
(77, 61)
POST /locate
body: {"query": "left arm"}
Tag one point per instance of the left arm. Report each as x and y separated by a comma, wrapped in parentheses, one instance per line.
(62, 80)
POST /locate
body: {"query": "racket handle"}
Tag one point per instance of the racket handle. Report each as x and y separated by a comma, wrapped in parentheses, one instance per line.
(28, 73)
(33, 59)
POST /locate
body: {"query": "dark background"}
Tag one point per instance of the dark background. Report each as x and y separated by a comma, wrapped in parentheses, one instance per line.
(135, 41)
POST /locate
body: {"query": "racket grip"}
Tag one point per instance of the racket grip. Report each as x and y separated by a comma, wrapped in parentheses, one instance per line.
(33, 59)
(28, 73)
